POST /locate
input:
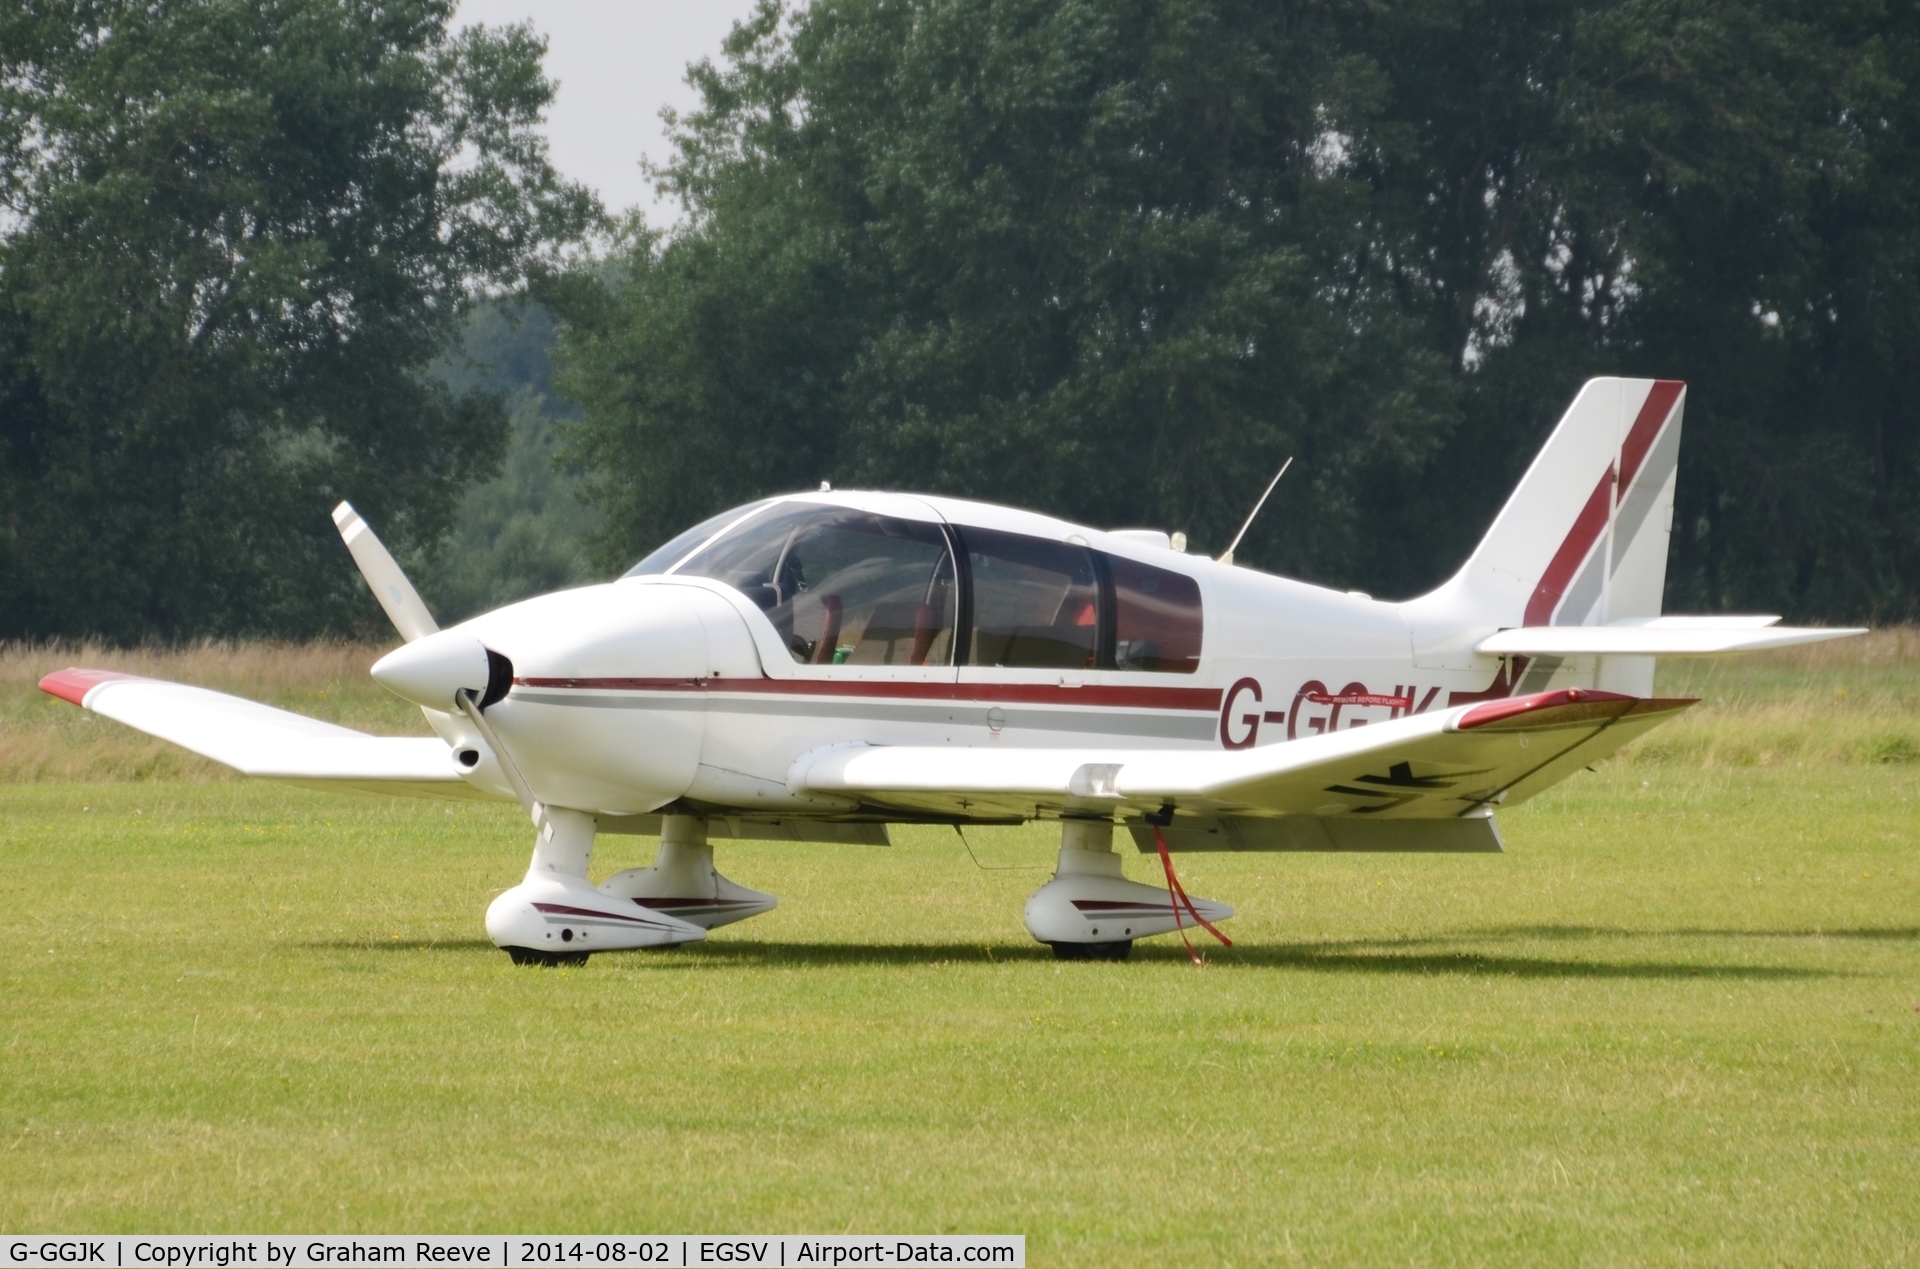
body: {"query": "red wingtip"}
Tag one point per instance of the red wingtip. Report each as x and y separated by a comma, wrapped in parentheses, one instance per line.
(1515, 707)
(74, 684)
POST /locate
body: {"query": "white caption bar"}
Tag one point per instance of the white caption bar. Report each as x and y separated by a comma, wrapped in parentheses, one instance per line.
(517, 1251)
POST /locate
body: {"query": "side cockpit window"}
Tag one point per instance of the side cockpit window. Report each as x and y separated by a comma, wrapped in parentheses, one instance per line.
(1043, 604)
(849, 587)
(1036, 603)
(1157, 619)
(842, 587)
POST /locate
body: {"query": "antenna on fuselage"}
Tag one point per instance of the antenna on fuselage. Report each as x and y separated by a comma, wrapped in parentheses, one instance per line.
(1226, 556)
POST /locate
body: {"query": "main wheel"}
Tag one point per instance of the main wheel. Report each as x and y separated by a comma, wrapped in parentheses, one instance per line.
(1116, 951)
(546, 960)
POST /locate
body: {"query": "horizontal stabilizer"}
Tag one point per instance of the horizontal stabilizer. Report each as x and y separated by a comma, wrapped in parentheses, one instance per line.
(259, 740)
(1441, 765)
(1657, 636)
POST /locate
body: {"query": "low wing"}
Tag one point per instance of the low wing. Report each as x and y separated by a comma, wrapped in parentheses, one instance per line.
(258, 740)
(1656, 636)
(1441, 765)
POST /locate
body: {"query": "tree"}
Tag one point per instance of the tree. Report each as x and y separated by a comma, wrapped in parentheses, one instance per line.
(238, 233)
(1116, 259)
(1073, 255)
(526, 531)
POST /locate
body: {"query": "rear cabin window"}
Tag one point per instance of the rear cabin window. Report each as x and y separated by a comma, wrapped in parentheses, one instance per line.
(1036, 603)
(842, 587)
(1156, 618)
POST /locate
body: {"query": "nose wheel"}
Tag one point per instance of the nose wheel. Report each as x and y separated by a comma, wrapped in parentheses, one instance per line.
(1117, 951)
(556, 917)
(546, 960)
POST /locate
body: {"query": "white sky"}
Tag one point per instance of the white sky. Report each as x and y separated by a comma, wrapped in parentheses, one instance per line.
(618, 63)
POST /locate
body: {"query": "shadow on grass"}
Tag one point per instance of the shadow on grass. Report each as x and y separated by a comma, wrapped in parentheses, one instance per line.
(1312, 958)
(1892, 934)
(1365, 956)
(1324, 960)
(400, 945)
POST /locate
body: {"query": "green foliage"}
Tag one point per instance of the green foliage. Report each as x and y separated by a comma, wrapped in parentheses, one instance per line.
(525, 531)
(1067, 255)
(238, 232)
(1116, 260)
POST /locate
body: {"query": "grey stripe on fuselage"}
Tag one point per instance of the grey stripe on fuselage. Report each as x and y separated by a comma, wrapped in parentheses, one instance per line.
(1152, 724)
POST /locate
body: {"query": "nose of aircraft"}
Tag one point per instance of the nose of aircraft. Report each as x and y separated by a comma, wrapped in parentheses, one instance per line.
(431, 670)
(600, 696)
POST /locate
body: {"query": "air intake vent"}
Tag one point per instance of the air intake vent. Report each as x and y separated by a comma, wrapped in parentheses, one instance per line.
(499, 678)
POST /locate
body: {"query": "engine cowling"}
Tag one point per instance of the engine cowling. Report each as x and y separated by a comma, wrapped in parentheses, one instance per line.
(608, 705)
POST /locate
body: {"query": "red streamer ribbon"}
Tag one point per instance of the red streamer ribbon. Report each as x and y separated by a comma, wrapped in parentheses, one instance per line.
(1178, 893)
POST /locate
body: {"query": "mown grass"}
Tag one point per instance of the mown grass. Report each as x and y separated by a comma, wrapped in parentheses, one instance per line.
(1678, 1022)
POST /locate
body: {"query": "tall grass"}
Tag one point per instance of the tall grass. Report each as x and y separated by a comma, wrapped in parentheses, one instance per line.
(43, 738)
(1851, 701)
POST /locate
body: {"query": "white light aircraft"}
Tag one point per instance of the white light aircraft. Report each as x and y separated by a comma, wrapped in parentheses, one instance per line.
(818, 666)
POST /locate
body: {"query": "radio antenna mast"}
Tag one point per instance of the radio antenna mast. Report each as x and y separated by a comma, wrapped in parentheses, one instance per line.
(1226, 556)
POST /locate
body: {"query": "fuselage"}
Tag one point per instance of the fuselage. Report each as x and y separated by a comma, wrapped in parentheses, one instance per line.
(887, 619)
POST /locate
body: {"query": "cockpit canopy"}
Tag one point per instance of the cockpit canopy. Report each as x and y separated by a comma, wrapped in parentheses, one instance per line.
(844, 586)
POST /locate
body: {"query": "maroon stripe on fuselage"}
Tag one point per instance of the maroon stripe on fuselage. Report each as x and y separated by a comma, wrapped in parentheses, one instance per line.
(1178, 698)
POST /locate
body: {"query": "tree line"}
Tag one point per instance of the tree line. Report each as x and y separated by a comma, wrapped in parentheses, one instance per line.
(237, 236)
(1113, 259)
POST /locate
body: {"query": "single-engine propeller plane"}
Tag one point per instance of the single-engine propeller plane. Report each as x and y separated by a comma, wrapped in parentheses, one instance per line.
(818, 666)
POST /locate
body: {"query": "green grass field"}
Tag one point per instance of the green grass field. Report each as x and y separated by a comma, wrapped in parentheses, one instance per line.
(1678, 1022)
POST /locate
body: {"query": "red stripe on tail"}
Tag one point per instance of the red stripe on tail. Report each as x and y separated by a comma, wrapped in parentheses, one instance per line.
(1587, 528)
(1592, 520)
(1646, 425)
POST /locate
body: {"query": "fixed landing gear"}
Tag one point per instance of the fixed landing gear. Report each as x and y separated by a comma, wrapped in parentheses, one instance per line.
(1090, 911)
(557, 917)
(546, 960)
(684, 883)
(1092, 951)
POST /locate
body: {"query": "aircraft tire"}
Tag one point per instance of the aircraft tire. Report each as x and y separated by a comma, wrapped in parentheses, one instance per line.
(1115, 951)
(545, 960)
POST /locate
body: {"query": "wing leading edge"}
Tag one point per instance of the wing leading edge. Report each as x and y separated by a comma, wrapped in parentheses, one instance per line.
(259, 740)
(1445, 765)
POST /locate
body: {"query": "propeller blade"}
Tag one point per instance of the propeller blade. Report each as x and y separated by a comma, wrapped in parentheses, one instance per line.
(390, 586)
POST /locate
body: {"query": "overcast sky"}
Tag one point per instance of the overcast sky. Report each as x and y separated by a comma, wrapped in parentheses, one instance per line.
(618, 63)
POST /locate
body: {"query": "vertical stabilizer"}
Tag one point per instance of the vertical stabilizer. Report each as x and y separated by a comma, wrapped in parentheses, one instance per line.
(1583, 539)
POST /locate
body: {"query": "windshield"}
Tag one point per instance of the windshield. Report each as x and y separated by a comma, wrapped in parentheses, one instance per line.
(662, 558)
(842, 587)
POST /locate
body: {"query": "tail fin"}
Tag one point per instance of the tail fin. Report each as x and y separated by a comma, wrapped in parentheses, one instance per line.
(1583, 539)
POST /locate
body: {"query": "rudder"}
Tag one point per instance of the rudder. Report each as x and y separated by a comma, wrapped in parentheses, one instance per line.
(1582, 541)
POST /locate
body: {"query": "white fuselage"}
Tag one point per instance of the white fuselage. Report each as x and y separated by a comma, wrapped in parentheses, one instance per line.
(672, 689)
